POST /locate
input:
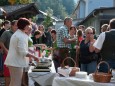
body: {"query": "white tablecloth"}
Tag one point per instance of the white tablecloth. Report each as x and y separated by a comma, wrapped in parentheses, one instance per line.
(42, 78)
(72, 81)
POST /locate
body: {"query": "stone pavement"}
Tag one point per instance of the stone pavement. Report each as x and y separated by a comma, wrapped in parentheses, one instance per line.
(2, 82)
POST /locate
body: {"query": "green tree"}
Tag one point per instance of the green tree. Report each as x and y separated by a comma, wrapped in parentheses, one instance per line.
(69, 5)
(49, 11)
(59, 10)
(55, 5)
(7, 2)
(48, 20)
(4, 2)
(25, 1)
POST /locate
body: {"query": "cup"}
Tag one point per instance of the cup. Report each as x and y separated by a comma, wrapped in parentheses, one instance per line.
(113, 73)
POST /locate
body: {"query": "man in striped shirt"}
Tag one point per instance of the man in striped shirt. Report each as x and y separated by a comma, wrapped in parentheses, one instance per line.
(63, 41)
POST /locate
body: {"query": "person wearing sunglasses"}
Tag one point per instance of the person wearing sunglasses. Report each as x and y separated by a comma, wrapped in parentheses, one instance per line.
(86, 50)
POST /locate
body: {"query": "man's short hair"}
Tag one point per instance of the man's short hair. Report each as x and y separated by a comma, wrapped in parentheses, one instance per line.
(13, 22)
(53, 31)
(6, 22)
(112, 23)
(67, 19)
(81, 26)
(37, 33)
(104, 27)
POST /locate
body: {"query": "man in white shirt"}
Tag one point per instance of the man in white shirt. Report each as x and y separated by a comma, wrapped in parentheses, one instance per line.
(105, 44)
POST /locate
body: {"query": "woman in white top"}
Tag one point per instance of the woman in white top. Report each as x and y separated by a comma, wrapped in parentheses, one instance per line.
(18, 52)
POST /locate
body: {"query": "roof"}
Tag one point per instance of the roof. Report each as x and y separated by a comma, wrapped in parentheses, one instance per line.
(94, 12)
(53, 17)
(10, 9)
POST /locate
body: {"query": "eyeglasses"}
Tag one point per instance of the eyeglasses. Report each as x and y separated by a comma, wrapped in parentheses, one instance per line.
(89, 33)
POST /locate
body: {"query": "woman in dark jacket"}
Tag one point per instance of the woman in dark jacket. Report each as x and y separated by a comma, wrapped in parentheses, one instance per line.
(36, 37)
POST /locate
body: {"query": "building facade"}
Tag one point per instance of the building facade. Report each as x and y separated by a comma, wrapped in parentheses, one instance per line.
(94, 12)
(85, 7)
(98, 17)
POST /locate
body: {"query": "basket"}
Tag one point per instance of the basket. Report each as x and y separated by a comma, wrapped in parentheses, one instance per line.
(100, 76)
(73, 69)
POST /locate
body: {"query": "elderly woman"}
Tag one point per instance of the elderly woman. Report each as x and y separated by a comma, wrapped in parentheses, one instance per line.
(88, 57)
(18, 52)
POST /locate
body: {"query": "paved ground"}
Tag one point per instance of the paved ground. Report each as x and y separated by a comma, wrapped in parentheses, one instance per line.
(2, 81)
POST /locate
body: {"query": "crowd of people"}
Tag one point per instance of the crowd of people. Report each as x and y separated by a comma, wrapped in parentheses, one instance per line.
(78, 42)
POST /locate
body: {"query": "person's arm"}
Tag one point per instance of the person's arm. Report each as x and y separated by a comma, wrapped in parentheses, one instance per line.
(32, 56)
(65, 38)
(3, 39)
(99, 42)
(40, 45)
(21, 49)
(77, 55)
(97, 50)
(3, 47)
(92, 40)
(68, 41)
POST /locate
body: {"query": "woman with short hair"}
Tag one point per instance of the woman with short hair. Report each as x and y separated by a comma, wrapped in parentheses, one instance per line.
(18, 52)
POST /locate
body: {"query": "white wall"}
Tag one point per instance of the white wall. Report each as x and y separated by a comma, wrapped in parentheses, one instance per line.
(82, 9)
(109, 12)
(93, 4)
(87, 6)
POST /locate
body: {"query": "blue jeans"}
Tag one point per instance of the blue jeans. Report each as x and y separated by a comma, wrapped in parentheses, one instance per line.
(104, 68)
(1, 61)
(90, 67)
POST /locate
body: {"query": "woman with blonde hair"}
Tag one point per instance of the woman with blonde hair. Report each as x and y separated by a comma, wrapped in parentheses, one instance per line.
(87, 61)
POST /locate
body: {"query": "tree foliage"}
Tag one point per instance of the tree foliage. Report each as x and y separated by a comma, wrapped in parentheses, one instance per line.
(59, 7)
(4, 2)
(48, 20)
(69, 5)
(12, 2)
(25, 1)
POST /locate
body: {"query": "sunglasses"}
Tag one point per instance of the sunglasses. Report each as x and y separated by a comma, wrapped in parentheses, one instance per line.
(89, 33)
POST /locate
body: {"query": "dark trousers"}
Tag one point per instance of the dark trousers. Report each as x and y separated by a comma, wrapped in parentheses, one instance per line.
(63, 53)
(25, 79)
(59, 55)
(1, 61)
(73, 56)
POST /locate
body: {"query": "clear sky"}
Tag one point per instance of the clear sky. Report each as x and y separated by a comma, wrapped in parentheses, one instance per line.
(75, 1)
